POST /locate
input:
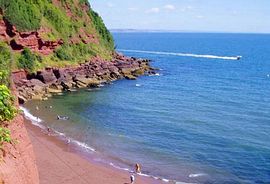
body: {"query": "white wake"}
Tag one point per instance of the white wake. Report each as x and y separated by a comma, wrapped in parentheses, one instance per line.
(183, 54)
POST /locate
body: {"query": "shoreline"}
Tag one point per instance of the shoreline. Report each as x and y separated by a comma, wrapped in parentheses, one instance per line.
(42, 84)
(56, 159)
(52, 81)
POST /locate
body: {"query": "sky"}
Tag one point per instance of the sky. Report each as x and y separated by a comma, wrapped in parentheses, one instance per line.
(240, 16)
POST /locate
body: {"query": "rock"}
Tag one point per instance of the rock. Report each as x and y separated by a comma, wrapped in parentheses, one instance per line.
(81, 79)
(49, 95)
(21, 99)
(130, 77)
(126, 71)
(39, 89)
(80, 84)
(36, 82)
(19, 75)
(37, 97)
(56, 86)
(66, 86)
(94, 84)
(51, 90)
(90, 74)
(138, 72)
(46, 77)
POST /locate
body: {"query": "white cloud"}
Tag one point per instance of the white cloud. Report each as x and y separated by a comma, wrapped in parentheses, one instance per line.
(153, 10)
(169, 7)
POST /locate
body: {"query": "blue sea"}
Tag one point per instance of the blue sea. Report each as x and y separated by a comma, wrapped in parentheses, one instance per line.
(204, 118)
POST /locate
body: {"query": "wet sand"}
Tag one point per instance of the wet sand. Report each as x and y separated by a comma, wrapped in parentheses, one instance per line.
(58, 164)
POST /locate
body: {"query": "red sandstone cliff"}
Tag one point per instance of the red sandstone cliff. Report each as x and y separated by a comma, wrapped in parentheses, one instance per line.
(18, 162)
(18, 165)
(32, 40)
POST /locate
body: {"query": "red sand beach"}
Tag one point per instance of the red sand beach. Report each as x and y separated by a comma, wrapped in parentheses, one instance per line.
(57, 164)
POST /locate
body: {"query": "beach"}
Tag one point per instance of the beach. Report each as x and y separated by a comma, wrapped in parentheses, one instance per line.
(58, 164)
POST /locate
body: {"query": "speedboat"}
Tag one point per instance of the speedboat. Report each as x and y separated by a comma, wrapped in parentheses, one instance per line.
(238, 57)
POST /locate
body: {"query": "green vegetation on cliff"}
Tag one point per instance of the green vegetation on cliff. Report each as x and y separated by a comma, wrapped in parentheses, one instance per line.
(5, 64)
(22, 14)
(7, 110)
(69, 20)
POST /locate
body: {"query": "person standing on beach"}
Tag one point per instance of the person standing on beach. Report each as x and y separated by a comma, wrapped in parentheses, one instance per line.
(49, 131)
(138, 168)
(132, 179)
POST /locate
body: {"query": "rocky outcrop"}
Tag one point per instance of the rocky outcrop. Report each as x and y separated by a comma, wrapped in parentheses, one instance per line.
(91, 74)
(32, 40)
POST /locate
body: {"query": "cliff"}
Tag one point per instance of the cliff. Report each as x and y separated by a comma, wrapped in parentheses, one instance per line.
(56, 32)
(18, 164)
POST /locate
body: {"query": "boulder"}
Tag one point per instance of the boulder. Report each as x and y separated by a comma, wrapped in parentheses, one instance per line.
(46, 77)
(130, 77)
(36, 82)
(126, 71)
(38, 89)
(66, 86)
(51, 90)
(80, 84)
(37, 97)
(138, 72)
(94, 83)
(21, 99)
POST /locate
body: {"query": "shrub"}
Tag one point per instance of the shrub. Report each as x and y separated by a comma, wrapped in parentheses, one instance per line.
(82, 49)
(76, 51)
(7, 111)
(4, 136)
(5, 62)
(27, 60)
(63, 53)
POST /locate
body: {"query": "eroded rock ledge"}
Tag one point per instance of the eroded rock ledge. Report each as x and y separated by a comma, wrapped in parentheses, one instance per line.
(91, 74)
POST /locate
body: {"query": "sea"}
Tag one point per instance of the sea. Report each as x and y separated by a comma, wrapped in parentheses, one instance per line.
(204, 117)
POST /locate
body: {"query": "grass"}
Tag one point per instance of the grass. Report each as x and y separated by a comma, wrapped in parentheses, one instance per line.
(21, 13)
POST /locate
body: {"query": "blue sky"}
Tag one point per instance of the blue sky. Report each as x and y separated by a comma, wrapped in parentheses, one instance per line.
(186, 15)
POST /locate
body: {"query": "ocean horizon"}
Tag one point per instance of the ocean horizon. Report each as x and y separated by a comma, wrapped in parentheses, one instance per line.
(202, 118)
